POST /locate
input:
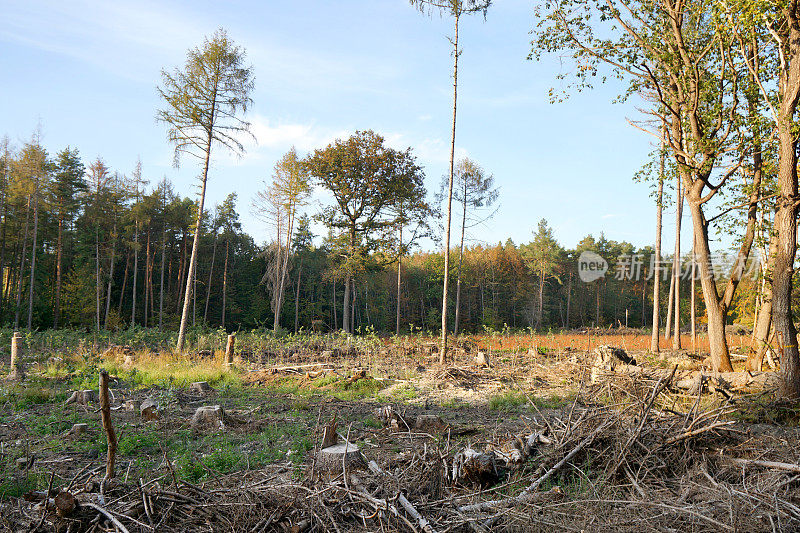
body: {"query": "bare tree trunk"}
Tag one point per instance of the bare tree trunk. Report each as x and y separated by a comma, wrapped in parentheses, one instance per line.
(225, 281)
(448, 214)
(786, 234)
(569, 297)
(98, 285)
(399, 271)
(718, 345)
(676, 263)
(656, 272)
(195, 246)
(124, 282)
(210, 277)
(22, 263)
(110, 276)
(146, 307)
(670, 303)
(59, 270)
(540, 307)
(346, 306)
(297, 297)
(135, 272)
(460, 257)
(693, 314)
(335, 318)
(763, 323)
(161, 290)
(33, 252)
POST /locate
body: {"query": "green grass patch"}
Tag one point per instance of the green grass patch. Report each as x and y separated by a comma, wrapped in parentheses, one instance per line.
(507, 401)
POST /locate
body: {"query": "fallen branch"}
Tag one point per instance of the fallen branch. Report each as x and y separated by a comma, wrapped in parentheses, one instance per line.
(423, 523)
(528, 494)
(108, 515)
(786, 467)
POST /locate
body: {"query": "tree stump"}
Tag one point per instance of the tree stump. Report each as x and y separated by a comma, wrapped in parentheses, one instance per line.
(333, 458)
(482, 359)
(209, 417)
(200, 386)
(132, 405)
(229, 350)
(17, 372)
(77, 429)
(471, 467)
(65, 504)
(607, 359)
(429, 423)
(82, 397)
(149, 409)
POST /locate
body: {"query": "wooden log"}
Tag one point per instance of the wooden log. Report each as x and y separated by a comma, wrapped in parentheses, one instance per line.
(229, 347)
(105, 416)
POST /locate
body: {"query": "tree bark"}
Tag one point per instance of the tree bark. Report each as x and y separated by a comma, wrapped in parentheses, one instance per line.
(297, 297)
(460, 257)
(135, 272)
(59, 271)
(110, 276)
(399, 272)
(210, 277)
(448, 214)
(161, 289)
(196, 244)
(676, 263)
(225, 281)
(33, 252)
(22, 263)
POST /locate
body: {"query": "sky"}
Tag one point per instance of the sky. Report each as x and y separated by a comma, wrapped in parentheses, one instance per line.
(87, 72)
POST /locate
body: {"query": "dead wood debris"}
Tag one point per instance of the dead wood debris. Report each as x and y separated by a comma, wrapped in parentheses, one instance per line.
(641, 465)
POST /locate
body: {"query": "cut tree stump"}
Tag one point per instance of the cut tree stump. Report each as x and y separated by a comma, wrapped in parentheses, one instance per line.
(482, 359)
(65, 504)
(132, 405)
(229, 350)
(429, 423)
(149, 409)
(82, 397)
(471, 467)
(608, 359)
(17, 372)
(200, 386)
(77, 429)
(209, 417)
(329, 435)
(344, 454)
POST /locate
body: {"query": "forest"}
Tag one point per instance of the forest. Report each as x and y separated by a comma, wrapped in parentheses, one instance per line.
(372, 365)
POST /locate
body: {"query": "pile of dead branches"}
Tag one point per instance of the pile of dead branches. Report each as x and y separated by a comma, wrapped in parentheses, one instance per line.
(640, 464)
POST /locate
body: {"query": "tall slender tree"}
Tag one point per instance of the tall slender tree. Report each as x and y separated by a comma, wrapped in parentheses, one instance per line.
(203, 103)
(455, 9)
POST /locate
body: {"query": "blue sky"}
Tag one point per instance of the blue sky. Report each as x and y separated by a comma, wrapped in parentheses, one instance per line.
(88, 71)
